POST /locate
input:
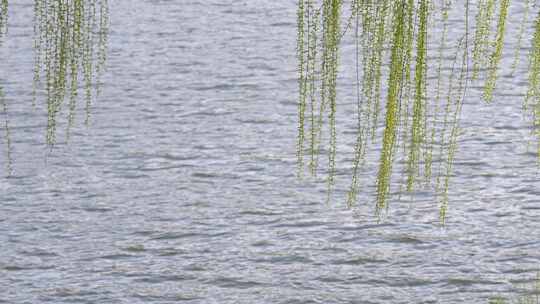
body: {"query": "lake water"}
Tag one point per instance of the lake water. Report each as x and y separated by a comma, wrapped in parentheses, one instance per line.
(184, 189)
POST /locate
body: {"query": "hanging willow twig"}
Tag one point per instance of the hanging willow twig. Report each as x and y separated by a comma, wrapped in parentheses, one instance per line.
(496, 56)
(7, 132)
(3, 17)
(3, 102)
(522, 26)
(484, 18)
(418, 132)
(532, 101)
(445, 6)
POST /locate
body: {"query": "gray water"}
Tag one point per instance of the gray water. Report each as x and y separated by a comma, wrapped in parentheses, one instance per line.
(184, 189)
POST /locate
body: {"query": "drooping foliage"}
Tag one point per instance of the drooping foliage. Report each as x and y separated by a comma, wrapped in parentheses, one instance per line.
(532, 102)
(398, 59)
(496, 55)
(70, 53)
(408, 114)
(3, 103)
(3, 16)
(484, 18)
(70, 42)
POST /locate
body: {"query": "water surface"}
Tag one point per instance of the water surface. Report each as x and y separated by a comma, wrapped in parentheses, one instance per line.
(184, 187)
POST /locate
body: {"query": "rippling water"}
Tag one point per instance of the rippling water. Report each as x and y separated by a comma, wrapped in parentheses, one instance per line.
(183, 189)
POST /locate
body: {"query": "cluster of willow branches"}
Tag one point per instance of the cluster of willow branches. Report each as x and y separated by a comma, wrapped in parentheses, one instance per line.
(70, 42)
(397, 117)
(70, 48)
